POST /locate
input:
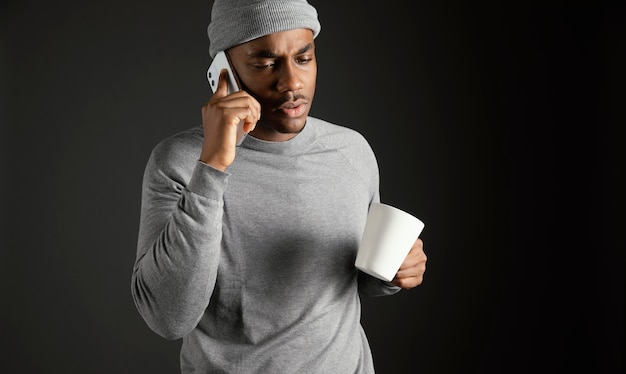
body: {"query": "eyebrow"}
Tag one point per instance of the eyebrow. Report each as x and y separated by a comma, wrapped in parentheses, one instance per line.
(266, 53)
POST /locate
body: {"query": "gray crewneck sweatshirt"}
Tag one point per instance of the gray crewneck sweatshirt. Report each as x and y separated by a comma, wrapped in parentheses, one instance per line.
(254, 267)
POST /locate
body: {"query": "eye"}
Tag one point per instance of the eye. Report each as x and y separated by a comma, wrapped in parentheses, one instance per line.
(304, 59)
(263, 64)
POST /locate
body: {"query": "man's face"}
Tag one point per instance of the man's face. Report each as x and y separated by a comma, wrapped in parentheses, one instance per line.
(280, 71)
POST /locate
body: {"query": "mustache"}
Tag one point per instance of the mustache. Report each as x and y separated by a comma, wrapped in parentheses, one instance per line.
(290, 97)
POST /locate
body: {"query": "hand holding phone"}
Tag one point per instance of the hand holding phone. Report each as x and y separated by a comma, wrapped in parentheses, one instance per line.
(219, 63)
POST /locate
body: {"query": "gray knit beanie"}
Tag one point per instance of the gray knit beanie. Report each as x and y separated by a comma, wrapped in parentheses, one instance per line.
(238, 21)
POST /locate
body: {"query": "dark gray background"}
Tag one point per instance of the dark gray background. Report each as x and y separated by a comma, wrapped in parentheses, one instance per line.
(497, 125)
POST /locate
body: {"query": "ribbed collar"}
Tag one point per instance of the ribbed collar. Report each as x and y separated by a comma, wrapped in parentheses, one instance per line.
(298, 144)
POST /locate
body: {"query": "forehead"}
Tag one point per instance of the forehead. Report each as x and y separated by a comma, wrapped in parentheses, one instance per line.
(283, 42)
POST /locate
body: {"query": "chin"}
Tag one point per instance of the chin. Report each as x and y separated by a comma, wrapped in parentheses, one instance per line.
(288, 125)
(295, 128)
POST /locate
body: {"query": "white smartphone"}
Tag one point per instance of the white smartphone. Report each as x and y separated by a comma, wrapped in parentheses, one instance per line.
(220, 62)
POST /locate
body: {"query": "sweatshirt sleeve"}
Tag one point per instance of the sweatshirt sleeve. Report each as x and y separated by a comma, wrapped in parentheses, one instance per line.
(178, 247)
(370, 286)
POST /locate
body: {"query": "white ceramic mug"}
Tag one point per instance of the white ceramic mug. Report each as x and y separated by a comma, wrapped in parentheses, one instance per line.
(387, 239)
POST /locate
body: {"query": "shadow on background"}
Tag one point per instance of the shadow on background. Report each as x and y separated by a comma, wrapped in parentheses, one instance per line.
(496, 125)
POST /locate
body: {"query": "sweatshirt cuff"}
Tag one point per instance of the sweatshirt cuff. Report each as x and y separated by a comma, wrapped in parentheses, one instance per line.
(389, 285)
(208, 181)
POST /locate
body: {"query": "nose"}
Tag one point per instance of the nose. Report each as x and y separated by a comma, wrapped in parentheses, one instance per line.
(289, 79)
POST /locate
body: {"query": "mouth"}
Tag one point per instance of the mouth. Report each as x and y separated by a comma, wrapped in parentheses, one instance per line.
(293, 109)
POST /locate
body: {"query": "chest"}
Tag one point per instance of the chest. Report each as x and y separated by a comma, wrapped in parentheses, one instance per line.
(317, 193)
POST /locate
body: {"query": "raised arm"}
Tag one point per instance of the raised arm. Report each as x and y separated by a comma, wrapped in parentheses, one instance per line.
(179, 241)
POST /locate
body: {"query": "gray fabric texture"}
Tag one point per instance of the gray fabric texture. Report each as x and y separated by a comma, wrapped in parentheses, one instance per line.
(254, 267)
(238, 21)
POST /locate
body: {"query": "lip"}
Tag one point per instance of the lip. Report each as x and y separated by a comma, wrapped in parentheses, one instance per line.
(293, 109)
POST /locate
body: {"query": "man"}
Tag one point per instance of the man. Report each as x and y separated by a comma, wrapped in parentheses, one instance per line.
(246, 251)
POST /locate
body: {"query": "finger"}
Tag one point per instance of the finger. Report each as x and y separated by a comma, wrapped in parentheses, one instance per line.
(414, 271)
(222, 84)
(407, 283)
(249, 121)
(413, 260)
(416, 255)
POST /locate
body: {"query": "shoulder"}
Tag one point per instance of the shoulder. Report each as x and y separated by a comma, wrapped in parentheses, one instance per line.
(177, 155)
(180, 146)
(339, 136)
(350, 144)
